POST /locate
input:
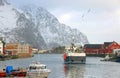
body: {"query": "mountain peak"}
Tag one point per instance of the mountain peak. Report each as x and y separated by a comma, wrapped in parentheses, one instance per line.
(3, 2)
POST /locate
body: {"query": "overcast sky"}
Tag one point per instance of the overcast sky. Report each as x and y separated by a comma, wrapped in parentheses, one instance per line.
(99, 20)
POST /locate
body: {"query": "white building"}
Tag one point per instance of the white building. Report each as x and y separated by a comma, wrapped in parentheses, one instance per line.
(1, 46)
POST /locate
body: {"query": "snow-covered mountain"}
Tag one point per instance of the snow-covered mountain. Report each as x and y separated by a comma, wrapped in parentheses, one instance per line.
(36, 26)
(15, 26)
(53, 32)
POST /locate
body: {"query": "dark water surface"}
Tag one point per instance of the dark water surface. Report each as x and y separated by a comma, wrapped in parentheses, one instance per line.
(93, 68)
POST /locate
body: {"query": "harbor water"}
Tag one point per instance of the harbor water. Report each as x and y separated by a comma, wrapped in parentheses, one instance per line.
(94, 68)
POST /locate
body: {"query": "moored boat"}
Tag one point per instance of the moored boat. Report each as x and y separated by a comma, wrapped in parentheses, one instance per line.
(74, 54)
(2, 73)
(10, 72)
(115, 56)
(38, 70)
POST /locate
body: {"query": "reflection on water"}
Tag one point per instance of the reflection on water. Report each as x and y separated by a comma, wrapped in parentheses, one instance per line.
(74, 70)
(93, 68)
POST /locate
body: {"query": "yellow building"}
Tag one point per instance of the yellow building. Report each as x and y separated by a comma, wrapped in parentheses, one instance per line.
(22, 50)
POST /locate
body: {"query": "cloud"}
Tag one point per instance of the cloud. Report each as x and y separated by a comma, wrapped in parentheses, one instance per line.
(101, 23)
(71, 4)
(65, 17)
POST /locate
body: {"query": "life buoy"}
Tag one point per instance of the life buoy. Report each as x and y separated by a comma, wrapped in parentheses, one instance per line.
(65, 56)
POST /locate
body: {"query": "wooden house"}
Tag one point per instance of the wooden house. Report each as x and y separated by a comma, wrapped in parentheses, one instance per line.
(106, 48)
(110, 46)
(92, 48)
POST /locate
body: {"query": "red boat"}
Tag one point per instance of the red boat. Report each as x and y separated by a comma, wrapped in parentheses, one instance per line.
(9, 71)
(19, 73)
(2, 74)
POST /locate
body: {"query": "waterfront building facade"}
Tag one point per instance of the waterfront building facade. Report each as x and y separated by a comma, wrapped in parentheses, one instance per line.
(106, 48)
(20, 49)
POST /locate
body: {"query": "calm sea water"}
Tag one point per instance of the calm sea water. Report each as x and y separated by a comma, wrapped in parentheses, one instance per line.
(93, 68)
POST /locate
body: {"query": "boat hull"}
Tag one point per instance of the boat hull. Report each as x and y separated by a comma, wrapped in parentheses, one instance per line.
(38, 75)
(19, 73)
(2, 74)
(13, 74)
(116, 59)
(75, 60)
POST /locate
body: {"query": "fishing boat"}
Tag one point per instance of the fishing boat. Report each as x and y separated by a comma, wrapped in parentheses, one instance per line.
(74, 54)
(10, 72)
(2, 73)
(38, 70)
(115, 56)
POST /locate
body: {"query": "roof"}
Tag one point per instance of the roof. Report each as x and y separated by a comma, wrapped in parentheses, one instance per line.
(106, 44)
(94, 46)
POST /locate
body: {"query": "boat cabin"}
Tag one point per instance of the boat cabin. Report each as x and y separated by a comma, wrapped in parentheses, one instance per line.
(37, 66)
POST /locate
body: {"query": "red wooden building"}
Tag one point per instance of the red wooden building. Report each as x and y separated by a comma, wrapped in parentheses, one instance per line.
(106, 48)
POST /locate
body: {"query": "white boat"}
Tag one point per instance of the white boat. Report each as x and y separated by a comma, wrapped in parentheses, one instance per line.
(74, 54)
(37, 70)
